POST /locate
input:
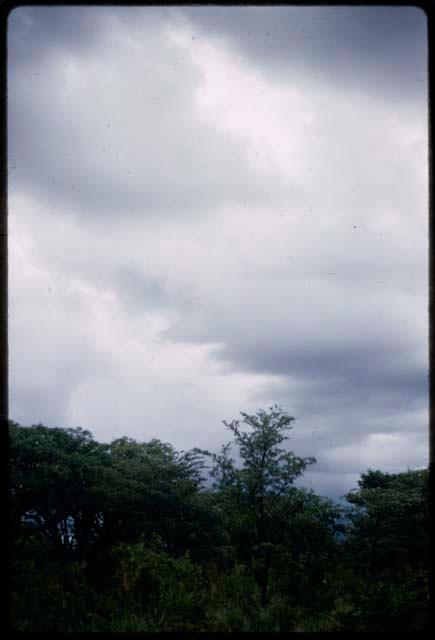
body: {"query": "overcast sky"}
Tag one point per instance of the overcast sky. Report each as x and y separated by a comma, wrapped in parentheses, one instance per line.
(215, 209)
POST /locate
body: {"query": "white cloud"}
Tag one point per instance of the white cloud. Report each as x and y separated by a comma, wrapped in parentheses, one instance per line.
(388, 451)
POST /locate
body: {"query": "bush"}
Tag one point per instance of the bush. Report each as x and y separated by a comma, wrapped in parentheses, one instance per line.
(169, 590)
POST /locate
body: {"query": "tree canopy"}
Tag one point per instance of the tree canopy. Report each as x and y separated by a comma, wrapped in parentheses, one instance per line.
(128, 536)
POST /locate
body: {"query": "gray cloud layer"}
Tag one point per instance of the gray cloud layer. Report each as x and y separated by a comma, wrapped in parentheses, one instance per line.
(378, 51)
(214, 209)
(141, 158)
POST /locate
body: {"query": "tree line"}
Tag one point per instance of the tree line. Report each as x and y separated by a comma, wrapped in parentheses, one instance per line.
(128, 536)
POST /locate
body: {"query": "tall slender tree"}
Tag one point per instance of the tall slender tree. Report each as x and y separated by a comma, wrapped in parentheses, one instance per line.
(261, 484)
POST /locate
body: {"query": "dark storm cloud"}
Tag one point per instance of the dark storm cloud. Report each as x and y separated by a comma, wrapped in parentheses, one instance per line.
(356, 371)
(354, 382)
(346, 356)
(85, 148)
(35, 33)
(40, 31)
(325, 377)
(374, 50)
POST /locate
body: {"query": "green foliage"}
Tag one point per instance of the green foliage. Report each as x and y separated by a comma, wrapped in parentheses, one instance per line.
(125, 537)
(390, 521)
(259, 491)
(47, 594)
(266, 468)
(169, 589)
(57, 481)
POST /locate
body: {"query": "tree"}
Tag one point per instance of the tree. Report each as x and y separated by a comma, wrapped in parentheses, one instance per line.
(390, 520)
(124, 537)
(261, 486)
(159, 492)
(55, 488)
(388, 551)
(73, 499)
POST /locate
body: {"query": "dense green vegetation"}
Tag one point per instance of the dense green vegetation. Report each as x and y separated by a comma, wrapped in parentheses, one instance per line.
(127, 536)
